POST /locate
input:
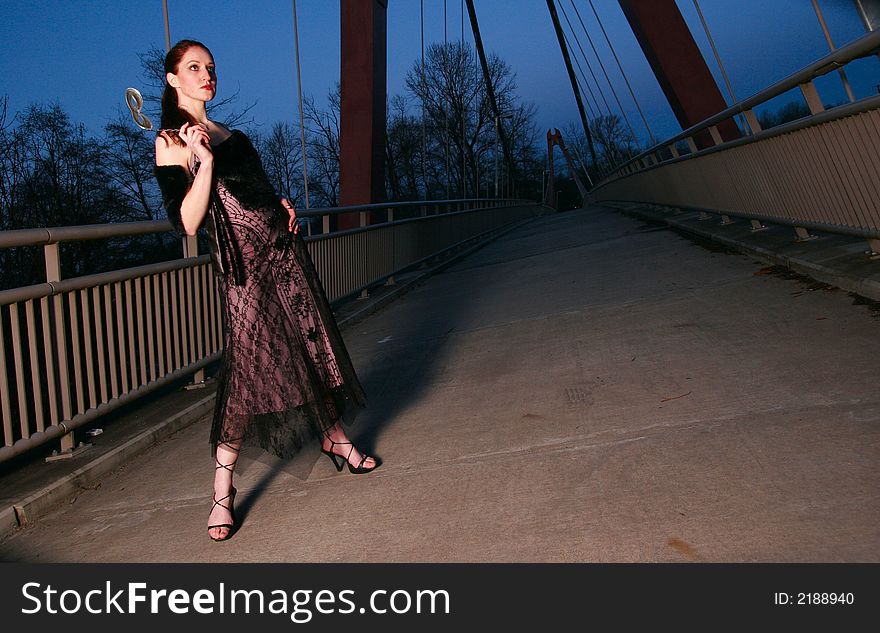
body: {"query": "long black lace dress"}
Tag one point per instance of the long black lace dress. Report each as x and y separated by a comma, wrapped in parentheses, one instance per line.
(286, 374)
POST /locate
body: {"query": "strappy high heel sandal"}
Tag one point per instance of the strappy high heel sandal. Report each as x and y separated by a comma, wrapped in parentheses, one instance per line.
(230, 527)
(357, 470)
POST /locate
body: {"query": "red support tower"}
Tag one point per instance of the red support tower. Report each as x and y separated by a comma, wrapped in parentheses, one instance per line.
(678, 65)
(555, 138)
(363, 86)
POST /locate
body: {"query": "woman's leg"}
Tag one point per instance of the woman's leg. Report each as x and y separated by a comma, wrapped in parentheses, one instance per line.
(221, 512)
(334, 440)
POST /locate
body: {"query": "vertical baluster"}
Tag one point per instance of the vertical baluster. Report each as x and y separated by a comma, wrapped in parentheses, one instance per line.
(160, 329)
(199, 352)
(175, 338)
(77, 353)
(63, 369)
(4, 388)
(186, 304)
(132, 350)
(36, 383)
(151, 315)
(45, 314)
(87, 349)
(99, 340)
(19, 370)
(139, 318)
(111, 340)
(120, 337)
(166, 321)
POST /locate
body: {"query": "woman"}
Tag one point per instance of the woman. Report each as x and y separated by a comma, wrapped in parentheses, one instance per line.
(286, 375)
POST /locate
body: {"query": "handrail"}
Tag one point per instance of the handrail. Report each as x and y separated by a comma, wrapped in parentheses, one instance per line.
(864, 46)
(847, 109)
(55, 234)
(51, 288)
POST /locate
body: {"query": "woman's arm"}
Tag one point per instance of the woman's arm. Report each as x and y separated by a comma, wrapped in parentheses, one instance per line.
(193, 205)
(292, 224)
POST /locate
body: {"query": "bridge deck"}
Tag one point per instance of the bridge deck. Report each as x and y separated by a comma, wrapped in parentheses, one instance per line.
(585, 388)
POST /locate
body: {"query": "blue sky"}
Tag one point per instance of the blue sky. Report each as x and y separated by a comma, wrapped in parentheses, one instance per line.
(84, 53)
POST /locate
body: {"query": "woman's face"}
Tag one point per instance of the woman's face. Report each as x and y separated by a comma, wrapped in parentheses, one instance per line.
(196, 78)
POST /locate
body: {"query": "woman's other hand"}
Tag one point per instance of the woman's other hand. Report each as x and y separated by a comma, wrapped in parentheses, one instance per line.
(292, 225)
(197, 140)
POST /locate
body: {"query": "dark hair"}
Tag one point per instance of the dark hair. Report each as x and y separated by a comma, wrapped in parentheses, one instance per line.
(173, 116)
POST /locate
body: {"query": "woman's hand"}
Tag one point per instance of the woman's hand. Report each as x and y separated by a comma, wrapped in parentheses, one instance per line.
(292, 225)
(197, 140)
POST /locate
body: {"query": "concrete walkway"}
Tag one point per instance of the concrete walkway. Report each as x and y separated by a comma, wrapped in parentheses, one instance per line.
(585, 388)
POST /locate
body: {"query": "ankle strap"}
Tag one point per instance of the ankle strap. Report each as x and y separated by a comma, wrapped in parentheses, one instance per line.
(231, 465)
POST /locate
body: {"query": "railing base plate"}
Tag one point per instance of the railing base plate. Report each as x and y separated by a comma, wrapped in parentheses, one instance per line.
(76, 452)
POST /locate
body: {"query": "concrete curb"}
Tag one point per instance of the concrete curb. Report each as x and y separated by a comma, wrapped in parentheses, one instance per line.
(8, 521)
(26, 511)
(869, 288)
(29, 509)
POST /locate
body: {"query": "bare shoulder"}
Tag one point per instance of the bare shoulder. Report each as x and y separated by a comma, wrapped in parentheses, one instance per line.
(219, 133)
(170, 153)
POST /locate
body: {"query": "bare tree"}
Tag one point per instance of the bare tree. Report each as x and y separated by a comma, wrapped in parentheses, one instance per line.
(323, 148)
(613, 142)
(281, 153)
(458, 116)
(789, 112)
(130, 159)
(12, 168)
(403, 152)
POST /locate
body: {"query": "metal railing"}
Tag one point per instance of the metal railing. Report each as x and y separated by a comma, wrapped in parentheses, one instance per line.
(818, 172)
(72, 350)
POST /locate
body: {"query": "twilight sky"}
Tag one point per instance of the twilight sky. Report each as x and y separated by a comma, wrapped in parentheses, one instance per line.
(84, 53)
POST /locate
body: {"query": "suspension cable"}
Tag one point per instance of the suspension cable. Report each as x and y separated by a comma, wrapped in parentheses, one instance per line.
(424, 93)
(586, 83)
(446, 98)
(733, 98)
(840, 71)
(302, 127)
(604, 72)
(167, 27)
(613, 148)
(596, 119)
(464, 70)
(623, 74)
(615, 151)
(587, 62)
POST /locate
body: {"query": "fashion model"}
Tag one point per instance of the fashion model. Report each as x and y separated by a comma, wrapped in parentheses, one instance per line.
(286, 376)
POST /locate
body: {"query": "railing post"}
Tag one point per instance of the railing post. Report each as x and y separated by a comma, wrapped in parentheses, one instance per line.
(53, 273)
(803, 235)
(752, 120)
(390, 214)
(811, 96)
